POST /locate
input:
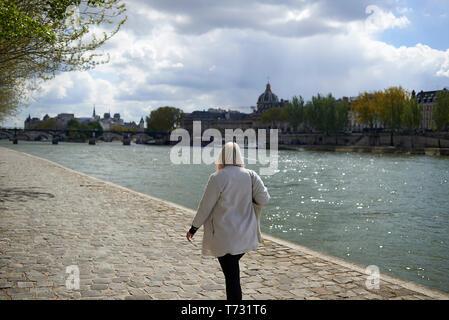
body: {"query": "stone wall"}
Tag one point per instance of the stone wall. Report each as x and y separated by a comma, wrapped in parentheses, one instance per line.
(383, 139)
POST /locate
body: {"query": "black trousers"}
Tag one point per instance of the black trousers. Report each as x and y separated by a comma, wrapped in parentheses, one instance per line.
(230, 266)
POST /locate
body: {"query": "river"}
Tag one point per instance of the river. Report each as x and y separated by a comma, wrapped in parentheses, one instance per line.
(387, 210)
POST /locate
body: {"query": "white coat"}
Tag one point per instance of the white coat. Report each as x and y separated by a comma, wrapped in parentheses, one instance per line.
(226, 211)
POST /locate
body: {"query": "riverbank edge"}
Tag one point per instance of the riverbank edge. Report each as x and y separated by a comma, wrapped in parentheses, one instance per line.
(368, 149)
(419, 288)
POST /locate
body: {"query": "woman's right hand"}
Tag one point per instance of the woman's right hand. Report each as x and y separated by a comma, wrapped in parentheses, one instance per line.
(189, 236)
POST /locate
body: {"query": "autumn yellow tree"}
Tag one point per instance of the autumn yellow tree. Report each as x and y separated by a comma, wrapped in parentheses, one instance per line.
(366, 108)
(391, 106)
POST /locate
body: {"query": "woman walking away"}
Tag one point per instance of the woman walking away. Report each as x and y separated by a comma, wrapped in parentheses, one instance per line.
(227, 213)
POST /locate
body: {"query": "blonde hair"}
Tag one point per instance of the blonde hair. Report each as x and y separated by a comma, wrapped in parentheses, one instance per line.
(229, 155)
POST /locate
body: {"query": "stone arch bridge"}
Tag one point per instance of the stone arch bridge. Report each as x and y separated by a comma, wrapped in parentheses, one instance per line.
(56, 135)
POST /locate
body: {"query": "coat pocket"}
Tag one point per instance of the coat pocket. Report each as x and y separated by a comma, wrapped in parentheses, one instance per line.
(212, 224)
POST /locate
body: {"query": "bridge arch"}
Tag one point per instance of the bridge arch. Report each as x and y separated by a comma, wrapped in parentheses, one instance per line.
(38, 135)
(111, 136)
(6, 135)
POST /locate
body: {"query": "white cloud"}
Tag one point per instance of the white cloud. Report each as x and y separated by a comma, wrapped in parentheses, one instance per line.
(379, 20)
(404, 10)
(444, 66)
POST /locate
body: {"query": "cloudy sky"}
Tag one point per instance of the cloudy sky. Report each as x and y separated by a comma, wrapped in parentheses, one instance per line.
(206, 53)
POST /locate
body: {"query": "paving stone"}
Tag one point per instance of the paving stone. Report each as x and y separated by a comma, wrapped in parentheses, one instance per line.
(136, 292)
(35, 276)
(5, 285)
(15, 277)
(299, 292)
(25, 284)
(91, 293)
(101, 281)
(187, 295)
(138, 297)
(22, 296)
(117, 286)
(136, 284)
(320, 291)
(98, 286)
(212, 287)
(342, 280)
(165, 296)
(46, 295)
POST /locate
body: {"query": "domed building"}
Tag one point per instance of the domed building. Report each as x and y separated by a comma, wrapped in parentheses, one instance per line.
(268, 100)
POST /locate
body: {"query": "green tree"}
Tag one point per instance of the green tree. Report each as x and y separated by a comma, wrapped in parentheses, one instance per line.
(120, 129)
(73, 124)
(165, 119)
(47, 124)
(411, 114)
(78, 131)
(13, 93)
(274, 116)
(294, 111)
(95, 125)
(341, 118)
(440, 110)
(411, 117)
(40, 38)
(326, 114)
(75, 131)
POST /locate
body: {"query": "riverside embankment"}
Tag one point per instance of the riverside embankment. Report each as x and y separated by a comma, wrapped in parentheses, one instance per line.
(368, 149)
(129, 245)
(419, 144)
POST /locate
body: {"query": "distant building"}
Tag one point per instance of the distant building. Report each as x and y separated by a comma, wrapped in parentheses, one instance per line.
(269, 100)
(215, 114)
(130, 125)
(141, 126)
(63, 118)
(133, 125)
(84, 120)
(30, 123)
(95, 116)
(222, 119)
(427, 100)
(107, 122)
(217, 118)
